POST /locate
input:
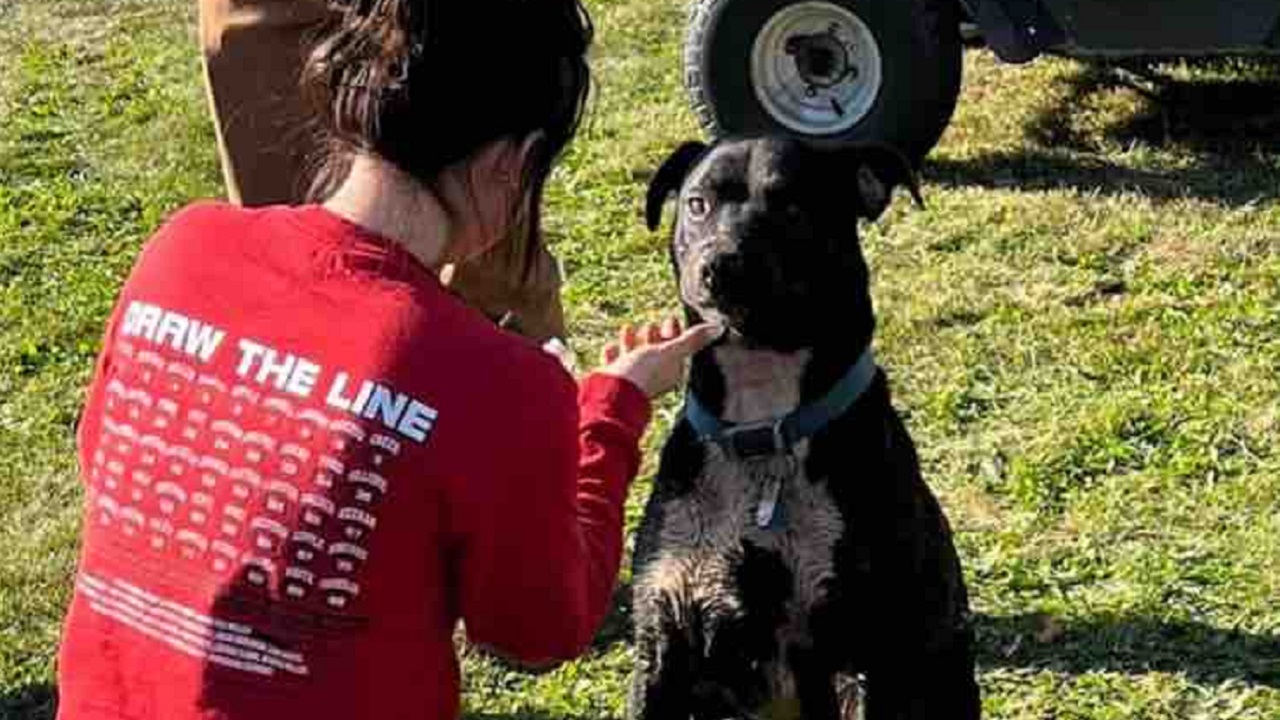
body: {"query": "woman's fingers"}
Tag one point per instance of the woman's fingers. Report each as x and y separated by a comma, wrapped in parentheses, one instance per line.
(627, 337)
(670, 329)
(630, 338)
(695, 339)
(654, 357)
(653, 334)
(668, 336)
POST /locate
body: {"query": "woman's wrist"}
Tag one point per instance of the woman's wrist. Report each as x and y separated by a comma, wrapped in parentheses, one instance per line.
(620, 399)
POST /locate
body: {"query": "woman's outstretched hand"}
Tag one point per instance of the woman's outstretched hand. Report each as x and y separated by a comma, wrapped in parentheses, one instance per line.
(653, 357)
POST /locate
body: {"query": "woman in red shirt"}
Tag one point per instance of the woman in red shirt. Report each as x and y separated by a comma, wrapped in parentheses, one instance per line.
(305, 460)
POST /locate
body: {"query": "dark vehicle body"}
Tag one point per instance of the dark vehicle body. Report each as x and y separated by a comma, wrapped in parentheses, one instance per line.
(1019, 30)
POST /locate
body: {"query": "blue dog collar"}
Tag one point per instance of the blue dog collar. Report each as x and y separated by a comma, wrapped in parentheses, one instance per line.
(780, 435)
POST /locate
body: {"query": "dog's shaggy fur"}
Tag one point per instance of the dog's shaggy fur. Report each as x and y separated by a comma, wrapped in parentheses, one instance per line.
(857, 577)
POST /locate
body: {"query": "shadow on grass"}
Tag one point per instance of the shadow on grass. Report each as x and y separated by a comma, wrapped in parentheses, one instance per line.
(33, 702)
(1229, 128)
(1206, 654)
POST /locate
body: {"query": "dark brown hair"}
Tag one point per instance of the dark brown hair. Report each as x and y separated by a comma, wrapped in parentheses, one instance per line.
(425, 84)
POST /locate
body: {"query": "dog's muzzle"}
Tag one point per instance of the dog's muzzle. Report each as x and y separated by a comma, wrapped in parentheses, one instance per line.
(723, 286)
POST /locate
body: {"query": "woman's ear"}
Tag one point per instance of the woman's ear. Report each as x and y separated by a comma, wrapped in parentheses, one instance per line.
(493, 166)
(491, 186)
(529, 147)
(507, 160)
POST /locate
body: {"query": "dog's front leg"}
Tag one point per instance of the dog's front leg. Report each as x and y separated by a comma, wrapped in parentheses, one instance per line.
(815, 687)
(937, 684)
(661, 686)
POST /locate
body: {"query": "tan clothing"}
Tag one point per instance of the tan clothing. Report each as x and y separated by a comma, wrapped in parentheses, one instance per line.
(253, 56)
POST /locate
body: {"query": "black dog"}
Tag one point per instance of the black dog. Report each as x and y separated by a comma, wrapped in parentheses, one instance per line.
(790, 544)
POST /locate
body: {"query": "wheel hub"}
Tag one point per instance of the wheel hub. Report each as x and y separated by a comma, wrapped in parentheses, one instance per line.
(816, 68)
(822, 61)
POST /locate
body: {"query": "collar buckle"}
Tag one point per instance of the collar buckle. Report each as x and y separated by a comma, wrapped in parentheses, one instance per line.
(752, 440)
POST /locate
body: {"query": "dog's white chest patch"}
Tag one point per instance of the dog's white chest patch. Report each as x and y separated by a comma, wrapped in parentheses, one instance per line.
(768, 502)
(702, 538)
(803, 524)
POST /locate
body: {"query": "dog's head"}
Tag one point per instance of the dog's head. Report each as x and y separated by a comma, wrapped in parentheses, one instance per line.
(766, 237)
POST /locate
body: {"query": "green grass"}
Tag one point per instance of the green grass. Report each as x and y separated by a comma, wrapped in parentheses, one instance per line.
(1082, 329)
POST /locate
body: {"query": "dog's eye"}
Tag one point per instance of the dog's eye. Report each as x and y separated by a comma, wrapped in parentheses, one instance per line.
(697, 207)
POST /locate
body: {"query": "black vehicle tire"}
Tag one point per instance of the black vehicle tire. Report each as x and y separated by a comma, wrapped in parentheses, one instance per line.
(919, 64)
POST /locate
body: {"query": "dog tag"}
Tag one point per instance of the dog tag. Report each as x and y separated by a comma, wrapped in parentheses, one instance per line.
(768, 507)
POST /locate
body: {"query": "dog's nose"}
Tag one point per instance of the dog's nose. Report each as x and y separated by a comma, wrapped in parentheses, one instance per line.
(731, 281)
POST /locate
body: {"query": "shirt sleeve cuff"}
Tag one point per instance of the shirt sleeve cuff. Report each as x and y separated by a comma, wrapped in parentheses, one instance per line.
(619, 399)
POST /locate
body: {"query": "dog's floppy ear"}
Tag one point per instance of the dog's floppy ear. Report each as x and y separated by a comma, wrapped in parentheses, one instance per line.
(668, 179)
(878, 169)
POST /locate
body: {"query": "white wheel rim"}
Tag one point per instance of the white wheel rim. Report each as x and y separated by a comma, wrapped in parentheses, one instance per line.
(816, 68)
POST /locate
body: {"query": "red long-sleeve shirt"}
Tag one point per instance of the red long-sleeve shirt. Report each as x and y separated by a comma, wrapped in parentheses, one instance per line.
(304, 461)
